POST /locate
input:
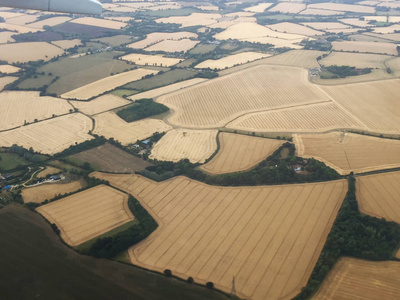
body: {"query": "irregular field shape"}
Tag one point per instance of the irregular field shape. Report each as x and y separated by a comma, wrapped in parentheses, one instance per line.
(154, 93)
(24, 52)
(47, 171)
(194, 19)
(320, 12)
(106, 84)
(50, 136)
(100, 104)
(50, 22)
(66, 44)
(326, 25)
(99, 23)
(370, 47)
(22, 20)
(110, 125)
(88, 214)
(361, 279)
(5, 37)
(343, 7)
(231, 60)
(348, 152)
(40, 193)
(356, 22)
(293, 28)
(259, 8)
(18, 28)
(178, 144)
(152, 60)
(358, 60)
(378, 195)
(347, 30)
(308, 118)
(156, 37)
(173, 46)
(7, 69)
(18, 107)
(216, 102)
(288, 8)
(392, 19)
(109, 158)
(6, 80)
(240, 152)
(389, 29)
(269, 237)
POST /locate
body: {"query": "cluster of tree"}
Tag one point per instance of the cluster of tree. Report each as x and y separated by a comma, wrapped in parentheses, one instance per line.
(109, 247)
(207, 74)
(142, 108)
(344, 71)
(321, 45)
(27, 154)
(356, 235)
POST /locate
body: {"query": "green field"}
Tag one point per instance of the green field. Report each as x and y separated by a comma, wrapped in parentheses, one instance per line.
(36, 265)
(202, 49)
(123, 92)
(10, 161)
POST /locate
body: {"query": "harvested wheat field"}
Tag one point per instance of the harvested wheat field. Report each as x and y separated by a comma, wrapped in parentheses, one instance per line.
(240, 152)
(47, 171)
(156, 37)
(100, 104)
(353, 278)
(319, 117)
(16, 108)
(268, 237)
(326, 25)
(378, 195)
(18, 28)
(288, 8)
(216, 102)
(7, 69)
(231, 60)
(50, 136)
(173, 46)
(368, 47)
(99, 23)
(320, 12)
(66, 44)
(293, 28)
(194, 19)
(88, 214)
(6, 80)
(50, 22)
(106, 84)
(151, 60)
(22, 20)
(6, 37)
(358, 60)
(356, 22)
(348, 152)
(24, 52)
(343, 7)
(259, 8)
(48, 191)
(178, 144)
(154, 93)
(112, 126)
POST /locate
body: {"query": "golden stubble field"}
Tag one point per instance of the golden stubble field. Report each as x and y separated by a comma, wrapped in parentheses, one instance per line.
(156, 37)
(47, 171)
(151, 60)
(99, 23)
(216, 102)
(178, 144)
(379, 195)
(231, 60)
(348, 152)
(40, 193)
(361, 279)
(239, 152)
(358, 60)
(173, 46)
(16, 108)
(100, 104)
(268, 237)
(88, 214)
(366, 47)
(24, 52)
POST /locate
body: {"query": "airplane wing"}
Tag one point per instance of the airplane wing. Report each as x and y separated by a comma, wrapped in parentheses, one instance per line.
(66, 6)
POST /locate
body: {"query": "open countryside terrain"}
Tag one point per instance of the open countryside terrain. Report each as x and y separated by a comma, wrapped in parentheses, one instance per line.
(232, 60)
(269, 238)
(100, 104)
(24, 52)
(43, 192)
(88, 214)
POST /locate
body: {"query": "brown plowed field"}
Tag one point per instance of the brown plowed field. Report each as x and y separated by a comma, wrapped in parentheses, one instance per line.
(40, 193)
(379, 195)
(268, 237)
(88, 214)
(353, 279)
(239, 152)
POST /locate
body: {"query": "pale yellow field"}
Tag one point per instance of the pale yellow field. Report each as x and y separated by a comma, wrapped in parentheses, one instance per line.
(100, 104)
(66, 44)
(343, 7)
(320, 12)
(50, 22)
(99, 23)
(167, 89)
(326, 25)
(151, 60)
(361, 279)
(47, 171)
(259, 8)
(239, 152)
(88, 214)
(391, 4)
(18, 28)
(239, 14)
(173, 46)
(106, 84)
(231, 60)
(358, 60)
(5, 37)
(22, 20)
(356, 22)
(24, 52)
(369, 47)
(306, 118)
(392, 19)
(194, 19)
(110, 125)
(208, 7)
(369, 2)
(177, 144)
(293, 28)
(7, 69)
(389, 29)
(50, 136)
(347, 30)
(268, 237)
(8, 14)
(48, 191)
(288, 8)
(218, 101)
(156, 37)
(6, 80)
(379, 195)
(18, 107)
(348, 152)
